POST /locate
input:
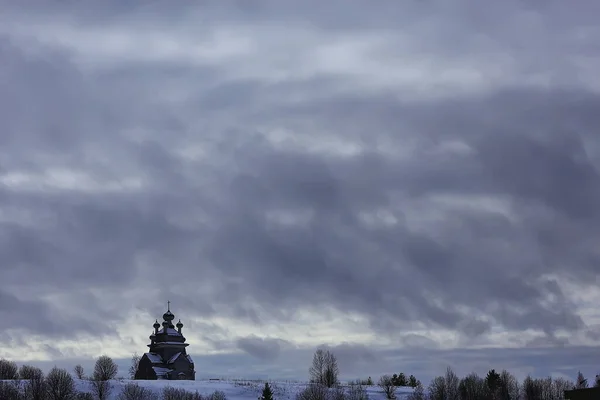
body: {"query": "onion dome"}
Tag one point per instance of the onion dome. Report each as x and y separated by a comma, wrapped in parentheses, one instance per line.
(179, 325)
(168, 316)
(156, 325)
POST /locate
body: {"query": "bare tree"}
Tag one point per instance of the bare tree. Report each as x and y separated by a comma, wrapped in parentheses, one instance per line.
(10, 390)
(105, 369)
(324, 369)
(452, 381)
(472, 387)
(317, 369)
(559, 385)
(437, 389)
(133, 391)
(35, 387)
(60, 384)
(8, 370)
(101, 389)
(332, 370)
(29, 372)
(545, 385)
(386, 383)
(532, 389)
(418, 393)
(508, 386)
(133, 368)
(79, 372)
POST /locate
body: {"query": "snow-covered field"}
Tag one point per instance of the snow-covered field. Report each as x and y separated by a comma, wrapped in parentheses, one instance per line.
(234, 390)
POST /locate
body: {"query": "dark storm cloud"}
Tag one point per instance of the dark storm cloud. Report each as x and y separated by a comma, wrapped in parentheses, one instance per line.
(261, 348)
(458, 212)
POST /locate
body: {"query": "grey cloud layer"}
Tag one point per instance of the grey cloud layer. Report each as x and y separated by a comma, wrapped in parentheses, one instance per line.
(490, 191)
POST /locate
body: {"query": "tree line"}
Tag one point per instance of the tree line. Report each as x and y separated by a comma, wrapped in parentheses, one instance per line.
(324, 373)
(30, 383)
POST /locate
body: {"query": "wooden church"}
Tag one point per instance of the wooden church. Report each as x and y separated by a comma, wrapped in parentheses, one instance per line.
(167, 357)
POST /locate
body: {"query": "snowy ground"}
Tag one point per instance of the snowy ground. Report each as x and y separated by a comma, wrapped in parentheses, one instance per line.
(235, 390)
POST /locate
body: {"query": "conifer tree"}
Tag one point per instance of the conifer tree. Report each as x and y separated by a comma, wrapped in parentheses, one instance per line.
(267, 393)
(581, 381)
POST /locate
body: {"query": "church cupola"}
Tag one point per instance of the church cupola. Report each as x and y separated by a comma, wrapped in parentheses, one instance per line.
(179, 326)
(156, 326)
(168, 317)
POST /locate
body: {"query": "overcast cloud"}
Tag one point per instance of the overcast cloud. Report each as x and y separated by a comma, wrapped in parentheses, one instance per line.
(413, 184)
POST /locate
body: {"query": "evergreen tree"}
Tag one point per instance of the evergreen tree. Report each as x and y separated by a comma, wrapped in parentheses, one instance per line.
(492, 380)
(581, 381)
(267, 393)
(402, 381)
(413, 382)
(370, 381)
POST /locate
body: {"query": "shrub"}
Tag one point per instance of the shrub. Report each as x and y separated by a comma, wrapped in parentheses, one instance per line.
(79, 372)
(313, 391)
(217, 395)
(60, 384)
(357, 392)
(337, 393)
(133, 391)
(171, 393)
(386, 383)
(418, 394)
(8, 370)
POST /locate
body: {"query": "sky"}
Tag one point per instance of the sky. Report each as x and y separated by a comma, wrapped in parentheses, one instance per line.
(412, 185)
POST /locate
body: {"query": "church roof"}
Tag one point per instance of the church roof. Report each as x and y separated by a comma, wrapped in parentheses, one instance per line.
(170, 331)
(160, 371)
(172, 359)
(154, 358)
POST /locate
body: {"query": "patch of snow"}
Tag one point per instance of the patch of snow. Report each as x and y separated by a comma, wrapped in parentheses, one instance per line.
(237, 389)
(170, 331)
(154, 358)
(178, 343)
(160, 371)
(233, 389)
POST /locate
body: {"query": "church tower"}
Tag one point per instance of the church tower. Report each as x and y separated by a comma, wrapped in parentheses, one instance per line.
(167, 356)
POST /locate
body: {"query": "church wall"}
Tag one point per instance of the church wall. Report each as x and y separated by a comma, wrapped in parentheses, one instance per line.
(183, 365)
(145, 371)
